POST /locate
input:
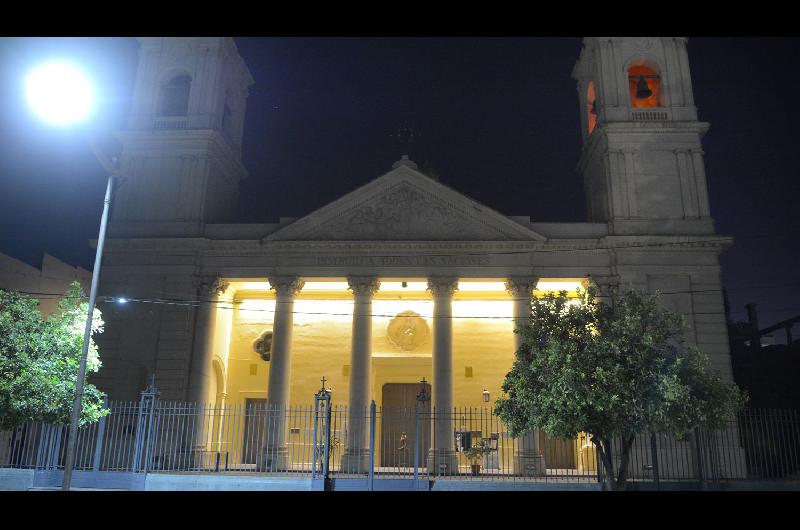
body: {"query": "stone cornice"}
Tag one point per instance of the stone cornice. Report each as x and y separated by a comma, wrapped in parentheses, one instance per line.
(256, 248)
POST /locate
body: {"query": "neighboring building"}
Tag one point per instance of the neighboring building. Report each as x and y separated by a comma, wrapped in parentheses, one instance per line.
(362, 290)
(46, 284)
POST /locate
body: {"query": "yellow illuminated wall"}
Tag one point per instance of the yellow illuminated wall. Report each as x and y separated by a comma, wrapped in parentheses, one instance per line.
(483, 340)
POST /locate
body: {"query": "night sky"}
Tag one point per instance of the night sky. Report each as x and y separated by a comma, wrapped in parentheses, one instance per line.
(497, 118)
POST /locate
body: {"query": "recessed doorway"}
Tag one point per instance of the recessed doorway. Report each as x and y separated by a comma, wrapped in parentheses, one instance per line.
(399, 425)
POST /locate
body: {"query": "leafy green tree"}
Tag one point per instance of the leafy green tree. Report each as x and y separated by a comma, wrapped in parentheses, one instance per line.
(613, 371)
(39, 360)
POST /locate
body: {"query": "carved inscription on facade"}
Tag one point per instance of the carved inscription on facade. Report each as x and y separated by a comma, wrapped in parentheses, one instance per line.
(402, 261)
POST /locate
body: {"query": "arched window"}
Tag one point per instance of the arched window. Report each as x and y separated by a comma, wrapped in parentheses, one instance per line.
(174, 98)
(591, 109)
(644, 85)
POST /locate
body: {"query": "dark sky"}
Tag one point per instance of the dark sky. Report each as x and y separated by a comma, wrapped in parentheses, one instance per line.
(496, 117)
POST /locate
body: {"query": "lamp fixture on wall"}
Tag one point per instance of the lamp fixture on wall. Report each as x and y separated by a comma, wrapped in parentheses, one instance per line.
(486, 396)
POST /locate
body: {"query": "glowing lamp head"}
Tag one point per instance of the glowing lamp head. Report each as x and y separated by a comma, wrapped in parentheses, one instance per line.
(59, 93)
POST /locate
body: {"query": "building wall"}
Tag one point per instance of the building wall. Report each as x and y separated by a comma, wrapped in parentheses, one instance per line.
(321, 347)
(53, 279)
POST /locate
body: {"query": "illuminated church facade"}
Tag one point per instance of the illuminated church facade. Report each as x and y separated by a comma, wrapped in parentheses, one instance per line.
(403, 278)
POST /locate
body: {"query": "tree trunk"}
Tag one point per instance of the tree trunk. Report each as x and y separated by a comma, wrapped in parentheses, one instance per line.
(627, 443)
(604, 448)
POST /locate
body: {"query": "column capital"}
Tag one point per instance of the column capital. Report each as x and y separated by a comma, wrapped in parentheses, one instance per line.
(210, 286)
(286, 285)
(363, 285)
(521, 286)
(442, 286)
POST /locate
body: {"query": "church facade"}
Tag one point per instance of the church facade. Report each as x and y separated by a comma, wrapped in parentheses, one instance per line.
(403, 278)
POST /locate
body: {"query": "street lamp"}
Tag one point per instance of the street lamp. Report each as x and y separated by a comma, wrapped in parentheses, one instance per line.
(61, 95)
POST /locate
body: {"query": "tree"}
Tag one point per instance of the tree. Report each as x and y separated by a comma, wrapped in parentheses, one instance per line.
(39, 360)
(613, 371)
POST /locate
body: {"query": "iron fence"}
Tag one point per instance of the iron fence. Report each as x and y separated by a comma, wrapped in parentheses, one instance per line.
(391, 442)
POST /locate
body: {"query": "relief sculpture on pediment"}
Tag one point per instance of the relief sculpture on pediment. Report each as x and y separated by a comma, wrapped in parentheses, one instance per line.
(405, 214)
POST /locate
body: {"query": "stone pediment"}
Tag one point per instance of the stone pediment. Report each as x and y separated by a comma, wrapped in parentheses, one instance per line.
(405, 205)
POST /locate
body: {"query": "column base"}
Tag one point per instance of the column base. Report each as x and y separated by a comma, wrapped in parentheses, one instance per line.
(529, 464)
(443, 462)
(356, 461)
(275, 459)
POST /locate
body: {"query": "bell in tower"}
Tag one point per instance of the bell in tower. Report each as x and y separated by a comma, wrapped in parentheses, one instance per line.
(642, 160)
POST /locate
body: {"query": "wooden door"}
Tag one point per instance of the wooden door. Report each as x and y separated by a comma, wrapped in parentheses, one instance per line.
(559, 453)
(255, 420)
(399, 425)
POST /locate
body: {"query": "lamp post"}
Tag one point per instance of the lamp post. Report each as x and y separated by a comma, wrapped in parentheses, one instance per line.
(61, 95)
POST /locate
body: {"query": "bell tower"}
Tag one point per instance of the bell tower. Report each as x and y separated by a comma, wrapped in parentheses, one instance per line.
(642, 159)
(181, 158)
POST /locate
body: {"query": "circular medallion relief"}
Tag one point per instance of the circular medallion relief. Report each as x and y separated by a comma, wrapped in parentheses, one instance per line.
(263, 345)
(407, 331)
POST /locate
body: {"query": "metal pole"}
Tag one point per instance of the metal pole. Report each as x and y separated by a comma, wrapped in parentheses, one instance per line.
(416, 444)
(654, 457)
(316, 439)
(87, 337)
(372, 416)
(326, 456)
(101, 430)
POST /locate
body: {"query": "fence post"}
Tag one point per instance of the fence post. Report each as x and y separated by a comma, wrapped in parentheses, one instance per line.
(144, 426)
(417, 443)
(98, 446)
(699, 459)
(322, 399)
(599, 465)
(150, 436)
(654, 458)
(372, 416)
(315, 440)
(326, 463)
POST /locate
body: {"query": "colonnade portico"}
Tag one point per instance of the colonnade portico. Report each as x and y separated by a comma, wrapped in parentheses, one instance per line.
(443, 457)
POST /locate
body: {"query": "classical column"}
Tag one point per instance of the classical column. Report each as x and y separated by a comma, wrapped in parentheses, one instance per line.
(528, 459)
(356, 456)
(199, 432)
(276, 453)
(443, 458)
(209, 289)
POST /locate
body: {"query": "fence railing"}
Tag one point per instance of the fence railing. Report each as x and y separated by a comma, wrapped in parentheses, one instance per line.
(463, 443)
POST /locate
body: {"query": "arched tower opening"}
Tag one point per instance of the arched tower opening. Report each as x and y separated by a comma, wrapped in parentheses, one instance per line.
(591, 107)
(173, 97)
